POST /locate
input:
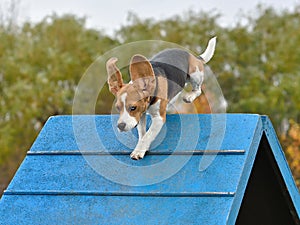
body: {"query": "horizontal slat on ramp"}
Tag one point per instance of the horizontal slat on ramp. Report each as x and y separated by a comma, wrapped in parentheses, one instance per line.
(107, 193)
(126, 152)
(71, 133)
(81, 173)
(114, 210)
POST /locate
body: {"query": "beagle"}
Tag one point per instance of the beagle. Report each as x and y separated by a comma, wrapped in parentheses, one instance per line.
(154, 83)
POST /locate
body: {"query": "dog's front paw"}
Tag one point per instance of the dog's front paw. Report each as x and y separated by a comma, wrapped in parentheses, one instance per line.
(189, 98)
(138, 154)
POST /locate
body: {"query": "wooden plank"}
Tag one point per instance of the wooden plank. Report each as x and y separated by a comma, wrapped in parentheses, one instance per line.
(81, 173)
(114, 210)
(127, 194)
(202, 132)
(127, 152)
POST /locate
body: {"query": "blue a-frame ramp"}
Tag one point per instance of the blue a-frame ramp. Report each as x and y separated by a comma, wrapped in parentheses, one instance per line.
(221, 169)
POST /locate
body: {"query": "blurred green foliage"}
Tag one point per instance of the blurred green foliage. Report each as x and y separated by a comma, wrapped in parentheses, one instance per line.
(257, 65)
(40, 66)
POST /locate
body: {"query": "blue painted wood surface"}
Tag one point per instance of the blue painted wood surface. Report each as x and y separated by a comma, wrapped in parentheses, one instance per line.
(60, 180)
(51, 174)
(56, 209)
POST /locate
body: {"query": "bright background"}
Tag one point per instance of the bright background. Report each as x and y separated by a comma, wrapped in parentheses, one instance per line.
(111, 14)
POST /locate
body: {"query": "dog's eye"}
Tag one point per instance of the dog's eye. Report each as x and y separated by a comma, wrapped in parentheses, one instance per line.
(132, 108)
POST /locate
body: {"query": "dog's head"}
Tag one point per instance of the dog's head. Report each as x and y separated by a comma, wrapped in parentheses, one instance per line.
(132, 98)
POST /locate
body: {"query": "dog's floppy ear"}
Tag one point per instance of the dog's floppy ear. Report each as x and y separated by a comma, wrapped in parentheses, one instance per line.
(142, 74)
(114, 80)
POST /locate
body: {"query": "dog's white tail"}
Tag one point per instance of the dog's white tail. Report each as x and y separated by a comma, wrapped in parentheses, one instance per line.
(209, 51)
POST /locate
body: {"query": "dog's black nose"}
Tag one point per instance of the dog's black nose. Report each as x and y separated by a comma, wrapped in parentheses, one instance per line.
(121, 126)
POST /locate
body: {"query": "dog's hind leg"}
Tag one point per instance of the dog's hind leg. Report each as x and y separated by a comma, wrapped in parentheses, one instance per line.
(196, 80)
(196, 70)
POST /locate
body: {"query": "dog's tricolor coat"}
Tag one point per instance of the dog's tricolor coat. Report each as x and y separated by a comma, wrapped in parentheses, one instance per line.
(153, 84)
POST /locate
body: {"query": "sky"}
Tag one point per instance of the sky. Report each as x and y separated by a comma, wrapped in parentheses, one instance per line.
(109, 15)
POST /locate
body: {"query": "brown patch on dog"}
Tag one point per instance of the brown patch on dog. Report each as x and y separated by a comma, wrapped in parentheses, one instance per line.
(115, 81)
(194, 62)
(142, 75)
(140, 67)
(162, 94)
(136, 101)
(139, 91)
(163, 109)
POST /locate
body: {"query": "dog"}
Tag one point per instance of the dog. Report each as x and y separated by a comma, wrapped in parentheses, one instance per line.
(154, 83)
